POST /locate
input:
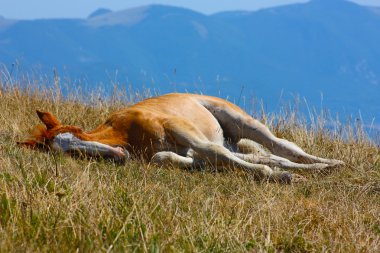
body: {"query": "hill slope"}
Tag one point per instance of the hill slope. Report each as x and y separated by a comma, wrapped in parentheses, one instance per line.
(51, 202)
(323, 46)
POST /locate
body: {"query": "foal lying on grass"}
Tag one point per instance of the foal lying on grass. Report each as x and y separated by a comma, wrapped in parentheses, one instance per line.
(185, 130)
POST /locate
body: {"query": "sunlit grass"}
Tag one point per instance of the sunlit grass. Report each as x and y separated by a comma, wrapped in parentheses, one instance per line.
(53, 202)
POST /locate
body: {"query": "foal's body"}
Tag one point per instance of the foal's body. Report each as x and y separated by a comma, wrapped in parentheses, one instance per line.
(186, 130)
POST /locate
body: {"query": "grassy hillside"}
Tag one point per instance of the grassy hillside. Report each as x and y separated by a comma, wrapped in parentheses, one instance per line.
(328, 47)
(52, 202)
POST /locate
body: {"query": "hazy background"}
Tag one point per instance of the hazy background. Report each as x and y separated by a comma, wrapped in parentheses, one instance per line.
(31, 9)
(323, 53)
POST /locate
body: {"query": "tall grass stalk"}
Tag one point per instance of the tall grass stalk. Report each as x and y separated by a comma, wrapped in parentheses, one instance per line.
(58, 203)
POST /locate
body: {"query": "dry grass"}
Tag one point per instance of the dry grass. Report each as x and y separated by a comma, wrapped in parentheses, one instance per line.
(52, 202)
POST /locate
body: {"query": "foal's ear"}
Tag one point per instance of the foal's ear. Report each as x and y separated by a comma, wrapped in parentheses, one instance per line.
(48, 119)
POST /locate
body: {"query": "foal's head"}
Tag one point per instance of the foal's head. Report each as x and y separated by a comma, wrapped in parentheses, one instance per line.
(52, 135)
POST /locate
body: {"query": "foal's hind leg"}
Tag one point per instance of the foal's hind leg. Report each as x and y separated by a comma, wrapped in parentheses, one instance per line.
(237, 125)
(186, 134)
(280, 162)
(255, 130)
(253, 152)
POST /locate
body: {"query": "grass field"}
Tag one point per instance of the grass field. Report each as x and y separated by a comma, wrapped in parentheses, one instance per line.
(53, 202)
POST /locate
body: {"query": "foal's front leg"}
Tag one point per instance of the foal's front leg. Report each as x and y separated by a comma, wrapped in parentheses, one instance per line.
(186, 134)
(168, 157)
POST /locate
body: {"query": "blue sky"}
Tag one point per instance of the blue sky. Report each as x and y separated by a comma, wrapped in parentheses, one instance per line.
(31, 9)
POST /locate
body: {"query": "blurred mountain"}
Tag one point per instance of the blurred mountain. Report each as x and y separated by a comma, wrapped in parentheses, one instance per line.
(328, 47)
(99, 12)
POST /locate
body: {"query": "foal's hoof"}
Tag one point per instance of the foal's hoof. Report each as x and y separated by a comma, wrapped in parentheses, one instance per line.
(298, 178)
(282, 177)
(336, 164)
